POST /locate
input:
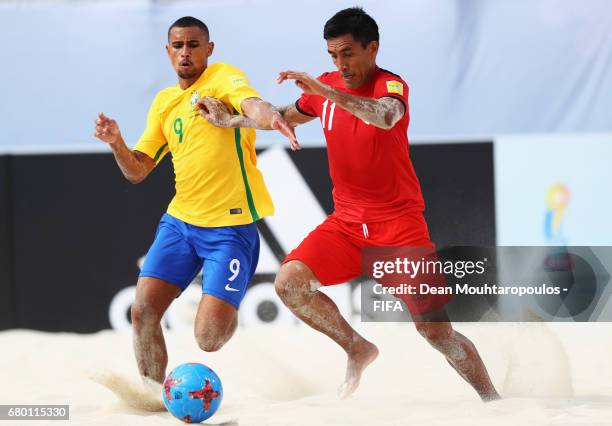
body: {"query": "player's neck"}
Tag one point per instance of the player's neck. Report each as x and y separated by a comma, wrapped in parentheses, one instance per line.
(370, 74)
(368, 77)
(186, 83)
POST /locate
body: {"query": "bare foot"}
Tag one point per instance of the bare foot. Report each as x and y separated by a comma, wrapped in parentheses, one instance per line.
(358, 360)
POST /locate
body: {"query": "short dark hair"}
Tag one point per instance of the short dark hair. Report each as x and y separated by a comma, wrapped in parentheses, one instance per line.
(352, 21)
(190, 21)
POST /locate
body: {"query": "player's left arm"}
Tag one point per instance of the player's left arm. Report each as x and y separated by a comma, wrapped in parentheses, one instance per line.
(384, 112)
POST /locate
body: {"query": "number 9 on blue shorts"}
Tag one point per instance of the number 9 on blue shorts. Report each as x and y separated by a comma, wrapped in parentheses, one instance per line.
(228, 256)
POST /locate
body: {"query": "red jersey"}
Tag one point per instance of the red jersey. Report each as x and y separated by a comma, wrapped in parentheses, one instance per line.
(370, 168)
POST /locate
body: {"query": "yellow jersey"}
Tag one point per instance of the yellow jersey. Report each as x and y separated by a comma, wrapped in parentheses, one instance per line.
(217, 181)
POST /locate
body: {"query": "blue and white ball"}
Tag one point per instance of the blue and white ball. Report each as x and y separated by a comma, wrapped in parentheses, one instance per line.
(192, 392)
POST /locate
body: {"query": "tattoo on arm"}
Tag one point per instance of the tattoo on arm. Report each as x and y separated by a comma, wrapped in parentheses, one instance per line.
(265, 116)
(283, 109)
(293, 116)
(258, 113)
(289, 113)
(383, 112)
(245, 123)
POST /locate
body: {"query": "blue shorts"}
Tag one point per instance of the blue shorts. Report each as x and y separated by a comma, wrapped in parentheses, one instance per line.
(228, 254)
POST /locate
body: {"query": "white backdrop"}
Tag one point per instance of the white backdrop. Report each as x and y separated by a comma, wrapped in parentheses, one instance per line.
(475, 67)
(553, 190)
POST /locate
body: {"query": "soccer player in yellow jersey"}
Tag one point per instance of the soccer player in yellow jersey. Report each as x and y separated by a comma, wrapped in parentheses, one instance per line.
(220, 193)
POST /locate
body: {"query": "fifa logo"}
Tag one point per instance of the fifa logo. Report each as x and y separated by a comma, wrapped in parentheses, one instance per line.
(557, 199)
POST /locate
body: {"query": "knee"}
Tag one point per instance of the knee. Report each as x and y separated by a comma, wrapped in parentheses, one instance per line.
(292, 284)
(209, 345)
(436, 333)
(209, 341)
(282, 282)
(211, 338)
(143, 314)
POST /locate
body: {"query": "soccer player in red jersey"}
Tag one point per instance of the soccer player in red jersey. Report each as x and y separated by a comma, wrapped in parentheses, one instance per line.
(377, 197)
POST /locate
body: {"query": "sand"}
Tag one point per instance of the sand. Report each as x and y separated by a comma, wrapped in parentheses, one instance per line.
(550, 374)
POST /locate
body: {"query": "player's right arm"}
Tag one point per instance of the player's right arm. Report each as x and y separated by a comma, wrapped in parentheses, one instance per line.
(216, 113)
(134, 165)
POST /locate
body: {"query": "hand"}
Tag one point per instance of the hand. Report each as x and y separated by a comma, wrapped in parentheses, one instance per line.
(214, 111)
(304, 82)
(278, 123)
(107, 129)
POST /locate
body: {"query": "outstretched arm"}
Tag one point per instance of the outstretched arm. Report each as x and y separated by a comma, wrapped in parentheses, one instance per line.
(293, 116)
(258, 115)
(215, 112)
(264, 114)
(134, 165)
(383, 112)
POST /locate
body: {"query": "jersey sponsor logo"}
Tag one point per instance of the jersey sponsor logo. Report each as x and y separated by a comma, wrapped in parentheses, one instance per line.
(395, 87)
(238, 81)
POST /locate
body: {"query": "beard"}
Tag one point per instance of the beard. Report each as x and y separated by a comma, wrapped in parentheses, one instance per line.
(187, 75)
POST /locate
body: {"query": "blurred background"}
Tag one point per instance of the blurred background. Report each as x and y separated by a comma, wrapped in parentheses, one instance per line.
(511, 136)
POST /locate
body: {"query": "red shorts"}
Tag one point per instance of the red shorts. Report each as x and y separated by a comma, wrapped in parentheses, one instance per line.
(333, 251)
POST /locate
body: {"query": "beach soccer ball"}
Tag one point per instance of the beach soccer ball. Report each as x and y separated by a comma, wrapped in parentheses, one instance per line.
(192, 392)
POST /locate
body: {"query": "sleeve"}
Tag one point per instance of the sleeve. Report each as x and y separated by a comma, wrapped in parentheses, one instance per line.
(389, 85)
(307, 103)
(153, 142)
(234, 88)
(304, 105)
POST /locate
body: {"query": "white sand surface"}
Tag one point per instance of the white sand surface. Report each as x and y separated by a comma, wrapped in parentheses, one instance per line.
(550, 374)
